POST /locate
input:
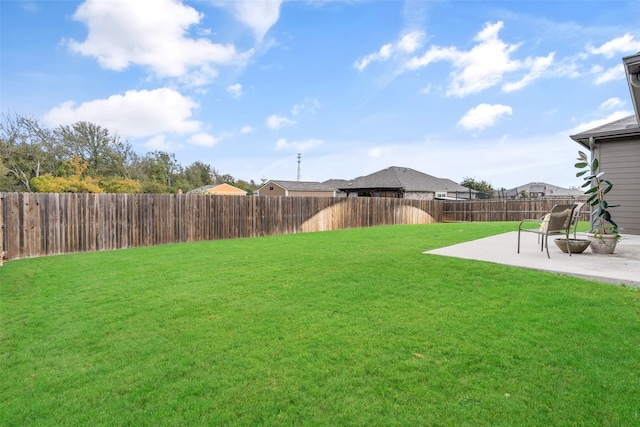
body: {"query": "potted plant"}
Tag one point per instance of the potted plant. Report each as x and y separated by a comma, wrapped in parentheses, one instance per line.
(603, 233)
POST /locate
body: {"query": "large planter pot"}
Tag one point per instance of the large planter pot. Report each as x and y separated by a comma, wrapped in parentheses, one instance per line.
(577, 246)
(603, 243)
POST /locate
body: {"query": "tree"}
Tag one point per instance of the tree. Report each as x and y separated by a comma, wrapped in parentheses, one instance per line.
(8, 182)
(121, 185)
(484, 189)
(153, 187)
(69, 179)
(105, 154)
(199, 174)
(27, 150)
(250, 187)
(225, 179)
(161, 169)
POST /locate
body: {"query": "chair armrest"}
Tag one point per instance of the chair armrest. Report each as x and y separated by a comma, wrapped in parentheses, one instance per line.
(536, 220)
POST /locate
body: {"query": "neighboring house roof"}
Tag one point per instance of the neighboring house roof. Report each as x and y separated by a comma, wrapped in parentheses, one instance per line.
(401, 178)
(336, 183)
(218, 189)
(537, 188)
(549, 190)
(300, 185)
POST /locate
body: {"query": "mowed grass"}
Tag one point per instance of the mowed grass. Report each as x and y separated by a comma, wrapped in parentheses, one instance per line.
(349, 327)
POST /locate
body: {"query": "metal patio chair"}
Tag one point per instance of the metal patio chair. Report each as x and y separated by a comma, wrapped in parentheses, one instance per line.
(576, 218)
(558, 221)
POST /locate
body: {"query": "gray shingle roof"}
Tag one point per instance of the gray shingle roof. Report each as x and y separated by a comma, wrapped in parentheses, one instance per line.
(628, 122)
(537, 187)
(624, 126)
(548, 189)
(336, 183)
(407, 179)
(303, 185)
(201, 190)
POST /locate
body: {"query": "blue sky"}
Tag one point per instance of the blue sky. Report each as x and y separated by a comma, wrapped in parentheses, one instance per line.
(484, 89)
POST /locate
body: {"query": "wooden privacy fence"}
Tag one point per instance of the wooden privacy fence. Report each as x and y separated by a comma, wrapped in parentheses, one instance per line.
(38, 224)
(503, 210)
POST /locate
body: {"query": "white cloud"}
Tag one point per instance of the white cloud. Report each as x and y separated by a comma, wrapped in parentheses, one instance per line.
(484, 65)
(203, 139)
(569, 67)
(411, 42)
(613, 73)
(434, 54)
(309, 104)
(624, 44)
(380, 152)
(235, 90)
(375, 152)
(484, 115)
(275, 121)
(259, 15)
(408, 44)
(597, 69)
(246, 129)
(616, 115)
(135, 114)
(381, 55)
(151, 34)
(300, 146)
(158, 142)
(199, 77)
(611, 103)
(537, 66)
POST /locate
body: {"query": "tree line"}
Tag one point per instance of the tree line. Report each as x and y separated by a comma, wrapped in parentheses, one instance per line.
(87, 158)
(485, 189)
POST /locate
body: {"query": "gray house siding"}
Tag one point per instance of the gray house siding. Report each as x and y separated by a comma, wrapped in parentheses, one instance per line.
(620, 160)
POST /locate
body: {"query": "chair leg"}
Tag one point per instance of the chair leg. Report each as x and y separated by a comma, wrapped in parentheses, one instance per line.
(546, 245)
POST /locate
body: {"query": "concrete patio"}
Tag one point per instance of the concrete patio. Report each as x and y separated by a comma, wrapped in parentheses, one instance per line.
(621, 267)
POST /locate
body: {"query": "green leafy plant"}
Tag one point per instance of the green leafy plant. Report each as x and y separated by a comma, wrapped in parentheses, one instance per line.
(601, 221)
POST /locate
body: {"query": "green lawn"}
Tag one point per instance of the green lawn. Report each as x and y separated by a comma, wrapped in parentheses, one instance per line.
(350, 327)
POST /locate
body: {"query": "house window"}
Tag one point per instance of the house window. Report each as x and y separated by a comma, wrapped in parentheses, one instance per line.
(270, 188)
(441, 194)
